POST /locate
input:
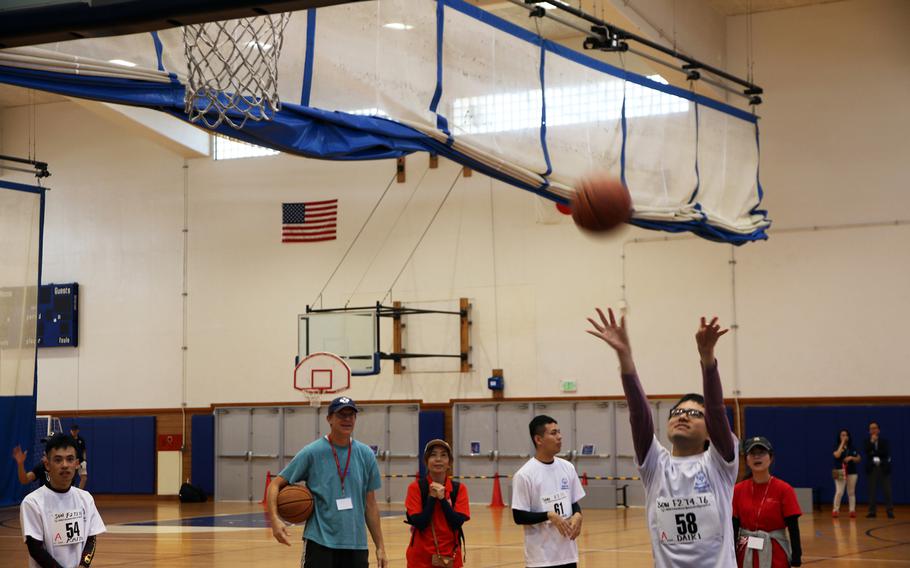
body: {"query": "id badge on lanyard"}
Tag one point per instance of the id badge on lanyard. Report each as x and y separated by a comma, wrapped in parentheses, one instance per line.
(344, 503)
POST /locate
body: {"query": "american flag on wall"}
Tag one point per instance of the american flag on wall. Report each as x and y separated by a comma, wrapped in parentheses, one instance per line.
(309, 222)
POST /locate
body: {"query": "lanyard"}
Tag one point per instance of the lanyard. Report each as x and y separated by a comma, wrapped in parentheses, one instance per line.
(758, 513)
(341, 475)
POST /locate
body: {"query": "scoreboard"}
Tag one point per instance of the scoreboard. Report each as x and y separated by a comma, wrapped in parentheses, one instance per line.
(58, 315)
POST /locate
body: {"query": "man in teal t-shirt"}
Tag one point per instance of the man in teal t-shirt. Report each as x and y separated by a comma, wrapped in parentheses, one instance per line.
(343, 476)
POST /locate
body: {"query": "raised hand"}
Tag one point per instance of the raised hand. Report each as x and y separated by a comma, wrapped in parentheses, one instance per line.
(19, 455)
(614, 334)
(706, 338)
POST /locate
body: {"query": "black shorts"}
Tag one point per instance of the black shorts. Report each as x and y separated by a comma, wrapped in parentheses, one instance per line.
(317, 556)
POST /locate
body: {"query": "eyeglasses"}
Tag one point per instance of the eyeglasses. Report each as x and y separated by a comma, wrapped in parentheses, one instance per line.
(690, 412)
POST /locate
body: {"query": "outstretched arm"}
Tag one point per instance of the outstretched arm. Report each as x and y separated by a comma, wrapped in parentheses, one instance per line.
(615, 336)
(715, 412)
(24, 477)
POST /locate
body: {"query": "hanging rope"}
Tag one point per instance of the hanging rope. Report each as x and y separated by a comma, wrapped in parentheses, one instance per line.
(495, 276)
(401, 212)
(353, 242)
(424, 234)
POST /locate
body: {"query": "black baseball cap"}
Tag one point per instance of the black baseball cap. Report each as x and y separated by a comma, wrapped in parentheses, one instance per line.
(342, 402)
(757, 442)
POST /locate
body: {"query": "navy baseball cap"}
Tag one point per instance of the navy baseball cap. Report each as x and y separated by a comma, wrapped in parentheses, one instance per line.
(757, 442)
(342, 402)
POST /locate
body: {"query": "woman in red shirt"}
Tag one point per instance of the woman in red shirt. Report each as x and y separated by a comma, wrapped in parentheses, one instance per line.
(763, 506)
(437, 507)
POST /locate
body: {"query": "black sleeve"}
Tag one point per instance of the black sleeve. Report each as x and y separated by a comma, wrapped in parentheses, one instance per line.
(39, 554)
(528, 518)
(796, 547)
(421, 520)
(576, 508)
(735, 530)
(88, 553)
(454, 518)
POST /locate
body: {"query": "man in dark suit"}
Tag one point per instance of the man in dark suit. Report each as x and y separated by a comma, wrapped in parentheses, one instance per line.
(878, 467)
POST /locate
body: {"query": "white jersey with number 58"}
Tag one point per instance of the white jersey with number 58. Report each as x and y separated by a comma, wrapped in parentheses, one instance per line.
(689, 504)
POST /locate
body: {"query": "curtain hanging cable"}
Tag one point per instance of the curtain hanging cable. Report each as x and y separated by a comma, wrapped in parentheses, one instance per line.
(424, 234)
(353, 242)
(495, 276)
(750, 55)
(401, 212)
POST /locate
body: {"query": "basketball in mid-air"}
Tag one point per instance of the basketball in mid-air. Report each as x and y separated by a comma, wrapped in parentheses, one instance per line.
(295, 503)
(601, 203)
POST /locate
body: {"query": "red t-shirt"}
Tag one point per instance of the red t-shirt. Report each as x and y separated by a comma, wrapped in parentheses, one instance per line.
(763, 507)
(422, 548)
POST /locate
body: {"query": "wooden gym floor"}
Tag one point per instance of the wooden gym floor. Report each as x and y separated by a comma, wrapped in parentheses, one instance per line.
(166, 533)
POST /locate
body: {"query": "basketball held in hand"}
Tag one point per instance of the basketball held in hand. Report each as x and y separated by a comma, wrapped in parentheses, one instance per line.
(601, 203)
(295, 503)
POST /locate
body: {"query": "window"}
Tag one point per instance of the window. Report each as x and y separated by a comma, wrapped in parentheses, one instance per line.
(567, 105)
(229, 149)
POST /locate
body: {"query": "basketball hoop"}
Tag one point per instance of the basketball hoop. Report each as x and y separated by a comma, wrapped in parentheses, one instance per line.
(233, 69)
(321, 373)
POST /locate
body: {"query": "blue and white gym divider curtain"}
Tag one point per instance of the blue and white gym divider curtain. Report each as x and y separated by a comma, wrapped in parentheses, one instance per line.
(381, 79)
(21, 222)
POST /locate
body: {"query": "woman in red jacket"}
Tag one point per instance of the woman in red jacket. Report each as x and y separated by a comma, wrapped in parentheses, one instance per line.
(763, 506)
(437, 507)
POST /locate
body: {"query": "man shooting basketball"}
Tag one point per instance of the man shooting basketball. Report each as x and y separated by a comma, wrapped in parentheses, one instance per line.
(343, 476)
(688, 490)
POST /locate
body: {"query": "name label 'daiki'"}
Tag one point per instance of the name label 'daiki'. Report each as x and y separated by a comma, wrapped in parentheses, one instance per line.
(687, 519)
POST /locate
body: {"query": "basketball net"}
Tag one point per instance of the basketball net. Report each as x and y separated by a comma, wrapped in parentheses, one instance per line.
(314, 397)
(233, 69)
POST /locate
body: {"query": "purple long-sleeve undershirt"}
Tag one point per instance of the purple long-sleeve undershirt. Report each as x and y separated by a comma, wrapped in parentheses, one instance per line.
(639, 416)
(715, 414)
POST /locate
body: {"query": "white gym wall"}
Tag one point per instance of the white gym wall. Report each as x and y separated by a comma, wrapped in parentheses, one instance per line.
(819, 311)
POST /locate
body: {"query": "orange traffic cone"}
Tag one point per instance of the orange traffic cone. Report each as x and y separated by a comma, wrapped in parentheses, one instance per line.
(584, 479)
(496, 501)
(265, 494)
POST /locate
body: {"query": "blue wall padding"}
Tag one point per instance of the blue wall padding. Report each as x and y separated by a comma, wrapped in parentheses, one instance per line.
(432, 425)
(14, 429)
(203, 449)
(121, 453)
(804, 439)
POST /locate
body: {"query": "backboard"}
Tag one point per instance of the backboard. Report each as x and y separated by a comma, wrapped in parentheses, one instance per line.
(352, 335)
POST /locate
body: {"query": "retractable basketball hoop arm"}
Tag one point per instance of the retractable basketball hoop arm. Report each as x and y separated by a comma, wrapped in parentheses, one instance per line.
(38, 168)
(396, 311)
(607, 37)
